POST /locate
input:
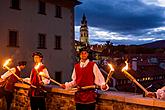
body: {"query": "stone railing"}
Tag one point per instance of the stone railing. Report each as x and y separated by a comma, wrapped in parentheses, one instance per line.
(60, 99)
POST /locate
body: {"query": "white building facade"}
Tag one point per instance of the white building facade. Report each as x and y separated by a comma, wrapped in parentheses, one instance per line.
(47, 26)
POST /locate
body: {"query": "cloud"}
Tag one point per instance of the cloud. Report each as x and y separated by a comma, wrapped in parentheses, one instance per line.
(135, 18)
(154, 2)
(100, 36)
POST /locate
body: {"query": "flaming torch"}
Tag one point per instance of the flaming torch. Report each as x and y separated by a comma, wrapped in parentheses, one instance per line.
(132, 78)
(7, 62)
(110, 73)
(5, 66)
(43, 75)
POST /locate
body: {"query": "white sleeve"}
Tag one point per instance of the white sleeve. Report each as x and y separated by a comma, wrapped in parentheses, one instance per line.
(161, 93)
(8, 73)
(73, 82)
(99, 78)
(45, 80)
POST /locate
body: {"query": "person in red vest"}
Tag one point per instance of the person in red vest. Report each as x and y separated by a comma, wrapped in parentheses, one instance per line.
(9, 80)
(37, 95)
(86, 73)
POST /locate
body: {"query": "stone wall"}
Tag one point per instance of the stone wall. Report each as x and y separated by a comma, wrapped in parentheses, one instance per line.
(63, 100)
(60, 102)
(60, 99)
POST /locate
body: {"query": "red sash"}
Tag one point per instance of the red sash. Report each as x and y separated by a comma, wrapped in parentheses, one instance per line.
(85, 97)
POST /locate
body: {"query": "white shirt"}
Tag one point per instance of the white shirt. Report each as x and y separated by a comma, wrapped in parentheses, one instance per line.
(99, 79)
(8, 73)
(161, 93)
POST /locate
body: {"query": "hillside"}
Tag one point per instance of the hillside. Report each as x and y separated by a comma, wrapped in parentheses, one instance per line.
(156, 44)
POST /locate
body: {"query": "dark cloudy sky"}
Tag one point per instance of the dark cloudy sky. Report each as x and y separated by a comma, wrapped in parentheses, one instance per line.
(122, 21)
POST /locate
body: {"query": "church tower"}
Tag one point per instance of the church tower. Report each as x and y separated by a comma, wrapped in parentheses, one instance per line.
(84, 31)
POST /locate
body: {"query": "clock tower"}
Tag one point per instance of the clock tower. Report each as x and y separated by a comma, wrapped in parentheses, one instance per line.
(84, 31)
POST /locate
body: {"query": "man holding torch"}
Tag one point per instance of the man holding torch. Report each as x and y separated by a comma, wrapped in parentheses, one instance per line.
(37, 97)
(9, 79)
(85, 73)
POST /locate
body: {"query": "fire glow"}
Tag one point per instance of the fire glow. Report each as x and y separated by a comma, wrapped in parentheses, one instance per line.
(111, 71)
(6, 62)
(37, 66)
(126, 67)
(111, 67)
(130, 77)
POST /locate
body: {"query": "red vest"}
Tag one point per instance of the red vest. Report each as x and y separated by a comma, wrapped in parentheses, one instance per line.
(11, 80)
(85, 77)
(36, 80)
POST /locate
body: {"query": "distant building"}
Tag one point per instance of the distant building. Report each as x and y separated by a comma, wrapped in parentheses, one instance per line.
(148, 70)
(84, 38)
(39, 25)
(84, 31)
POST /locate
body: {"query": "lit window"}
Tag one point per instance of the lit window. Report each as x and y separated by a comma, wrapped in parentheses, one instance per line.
(153, 60)
(160, 77)
(162, 65)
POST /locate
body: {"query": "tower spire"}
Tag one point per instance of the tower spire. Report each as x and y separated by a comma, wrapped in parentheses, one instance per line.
(84, 31)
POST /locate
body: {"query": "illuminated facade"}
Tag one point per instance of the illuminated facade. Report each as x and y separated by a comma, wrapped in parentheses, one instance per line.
(35, 25)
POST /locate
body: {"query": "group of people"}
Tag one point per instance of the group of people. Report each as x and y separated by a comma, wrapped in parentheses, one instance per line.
(37, 82)
(85, 73)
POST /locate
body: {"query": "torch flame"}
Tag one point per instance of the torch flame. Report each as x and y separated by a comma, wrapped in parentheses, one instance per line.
(6, 62)
(111, 67)
(126, 66)
(37, 66)
(41, 74)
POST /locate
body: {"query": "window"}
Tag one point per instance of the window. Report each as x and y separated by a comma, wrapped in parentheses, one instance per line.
(13, 39)
(153, 61)
(42, 41)
(15, 4)
(58, 11)
(57, 42)
(58, 76)
(162, 65)
(42, 7)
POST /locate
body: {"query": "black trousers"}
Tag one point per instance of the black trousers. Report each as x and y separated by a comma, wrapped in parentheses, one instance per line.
(90, 106)
(37, 103)
(9, 97)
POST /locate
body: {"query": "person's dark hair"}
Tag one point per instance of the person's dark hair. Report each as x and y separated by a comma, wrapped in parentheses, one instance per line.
(90, 57)
(37, 54)
(84, 49)
(22, 63)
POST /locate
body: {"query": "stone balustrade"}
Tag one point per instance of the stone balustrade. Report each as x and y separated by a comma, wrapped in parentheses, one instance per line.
(60, 99)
